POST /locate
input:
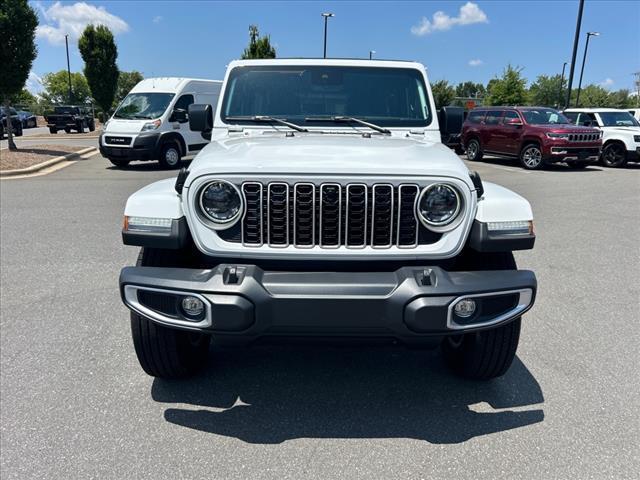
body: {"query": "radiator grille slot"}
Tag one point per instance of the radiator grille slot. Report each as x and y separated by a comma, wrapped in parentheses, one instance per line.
(331, 215)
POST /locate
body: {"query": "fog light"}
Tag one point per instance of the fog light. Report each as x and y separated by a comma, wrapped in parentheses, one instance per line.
(192, 306)
(465, 308)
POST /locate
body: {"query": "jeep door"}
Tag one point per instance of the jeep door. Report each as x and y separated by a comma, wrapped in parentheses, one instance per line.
(491, 131)
(508, 133)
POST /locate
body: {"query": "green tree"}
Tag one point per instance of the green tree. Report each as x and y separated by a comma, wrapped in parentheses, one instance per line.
(620, 99)
(23, 97)
(591, 96)
(443, 93)
(470, 90)
(546, 91)
(508, 89)
(259, 47)
(126, 81)
(56, 88)
(99, 52)
(18, 24)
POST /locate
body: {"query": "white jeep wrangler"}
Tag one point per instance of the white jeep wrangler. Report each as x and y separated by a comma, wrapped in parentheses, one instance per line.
(325, 206)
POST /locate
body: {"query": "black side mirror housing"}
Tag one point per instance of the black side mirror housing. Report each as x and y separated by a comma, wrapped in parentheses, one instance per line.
(451, 120)
(179, 115)
(200, 118)
(587, 123)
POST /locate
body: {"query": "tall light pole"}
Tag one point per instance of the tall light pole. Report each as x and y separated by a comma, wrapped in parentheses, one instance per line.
(371, 52)
(326, 17)
(584, 59)
(575, 52)
(66, 41)
(564, 65)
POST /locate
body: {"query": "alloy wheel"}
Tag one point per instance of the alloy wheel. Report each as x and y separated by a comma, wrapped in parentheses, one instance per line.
(532, 157)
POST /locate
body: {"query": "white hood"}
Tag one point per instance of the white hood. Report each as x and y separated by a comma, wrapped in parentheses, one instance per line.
(327, 154)
(633, 130)
(118, 125)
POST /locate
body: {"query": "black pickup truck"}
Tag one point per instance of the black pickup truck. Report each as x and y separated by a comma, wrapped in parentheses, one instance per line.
(69, 118)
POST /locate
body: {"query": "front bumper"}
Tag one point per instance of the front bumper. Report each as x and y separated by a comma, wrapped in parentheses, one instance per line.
(583, 153)
(144, 147)
(245, 302)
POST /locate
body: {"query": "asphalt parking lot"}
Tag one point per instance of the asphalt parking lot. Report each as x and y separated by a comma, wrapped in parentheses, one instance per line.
(75, 404)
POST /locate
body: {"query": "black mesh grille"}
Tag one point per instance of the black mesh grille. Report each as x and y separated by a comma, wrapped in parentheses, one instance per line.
(382, 215)
(278, 222)
(330, 213)
(407, 222)
(252, 223)
(356, 216)
(304, 220)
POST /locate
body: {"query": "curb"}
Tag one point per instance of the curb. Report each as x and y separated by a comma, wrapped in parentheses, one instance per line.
(48, 163)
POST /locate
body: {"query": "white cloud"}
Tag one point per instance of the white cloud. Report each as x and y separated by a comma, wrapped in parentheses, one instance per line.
(34, 83)
(469, 14)
(60, 20)
(476, 62)
(607, 82)
(157, 19)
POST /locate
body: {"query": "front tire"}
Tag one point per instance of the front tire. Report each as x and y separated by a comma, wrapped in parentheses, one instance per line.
(474, 150)
(489, 353)
(170, 155)
(163, 351)
(531, 157)
(614, 155)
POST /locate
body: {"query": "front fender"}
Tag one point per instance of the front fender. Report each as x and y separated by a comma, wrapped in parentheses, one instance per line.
(499, 204)
(157, 200)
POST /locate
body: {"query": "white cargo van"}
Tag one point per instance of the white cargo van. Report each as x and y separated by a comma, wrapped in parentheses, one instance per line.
(151, 123)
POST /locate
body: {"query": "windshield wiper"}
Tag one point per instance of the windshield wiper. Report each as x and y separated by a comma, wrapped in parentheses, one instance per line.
(266, 119)
(341, 119)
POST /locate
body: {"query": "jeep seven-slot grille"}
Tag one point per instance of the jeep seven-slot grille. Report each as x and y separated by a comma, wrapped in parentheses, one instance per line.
(331, 215)
(584, 137)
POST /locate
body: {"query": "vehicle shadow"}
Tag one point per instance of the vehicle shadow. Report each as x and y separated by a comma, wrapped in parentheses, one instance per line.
(268, 395)
(150, 166)
(550, 167)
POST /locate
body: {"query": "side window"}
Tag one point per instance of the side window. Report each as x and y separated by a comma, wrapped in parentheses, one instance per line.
(184, 101)
(587, 119)
(493, 117)
(573, 116)
(510, 114)
(475, 116)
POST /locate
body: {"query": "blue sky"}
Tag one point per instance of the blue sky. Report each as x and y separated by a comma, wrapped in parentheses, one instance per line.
(464, 41)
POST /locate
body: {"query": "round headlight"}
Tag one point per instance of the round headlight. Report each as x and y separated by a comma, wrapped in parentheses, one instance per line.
(220, 202)
(439, 205)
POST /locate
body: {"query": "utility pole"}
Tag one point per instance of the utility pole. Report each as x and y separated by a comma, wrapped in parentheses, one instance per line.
(66, 41)
(371, 52)
(326, 17)
(637, 83)
(564, 65)
(575, 52)
(584, 59)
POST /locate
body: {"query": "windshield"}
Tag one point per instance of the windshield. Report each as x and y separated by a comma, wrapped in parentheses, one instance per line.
(143, 105)
(544, 116)
(617, 119)
(383, 96)
(66, 110)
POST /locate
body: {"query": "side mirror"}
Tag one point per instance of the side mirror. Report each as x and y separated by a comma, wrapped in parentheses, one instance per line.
(179, 115)
(451, 119)
(514, 122)
(200, 118)
(587, 123)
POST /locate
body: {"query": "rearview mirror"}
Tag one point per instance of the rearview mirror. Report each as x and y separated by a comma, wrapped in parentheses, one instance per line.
(179, 115)
(451, 119)
(200, 117)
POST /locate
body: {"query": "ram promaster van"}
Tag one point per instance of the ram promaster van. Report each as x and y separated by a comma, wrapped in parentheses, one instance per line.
(151, 123)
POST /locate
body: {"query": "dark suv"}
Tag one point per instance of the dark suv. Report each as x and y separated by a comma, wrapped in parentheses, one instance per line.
(534, 135)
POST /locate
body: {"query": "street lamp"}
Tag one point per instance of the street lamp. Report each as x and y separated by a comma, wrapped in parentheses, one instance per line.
(326, 17)
(584, 59)
(564, 65)
(371, 52)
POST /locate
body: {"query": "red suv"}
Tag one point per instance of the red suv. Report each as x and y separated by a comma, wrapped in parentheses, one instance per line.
(535, 135)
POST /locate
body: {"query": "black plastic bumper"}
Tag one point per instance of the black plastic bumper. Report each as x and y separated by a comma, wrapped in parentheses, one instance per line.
(145, 147)
(411, 304)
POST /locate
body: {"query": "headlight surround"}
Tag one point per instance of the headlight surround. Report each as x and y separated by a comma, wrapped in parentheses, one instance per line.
(439, 206)
(220, 203)
(558, 136)
(151, 126)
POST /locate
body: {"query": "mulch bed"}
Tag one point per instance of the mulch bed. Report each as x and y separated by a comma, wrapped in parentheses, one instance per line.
(33, 155)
